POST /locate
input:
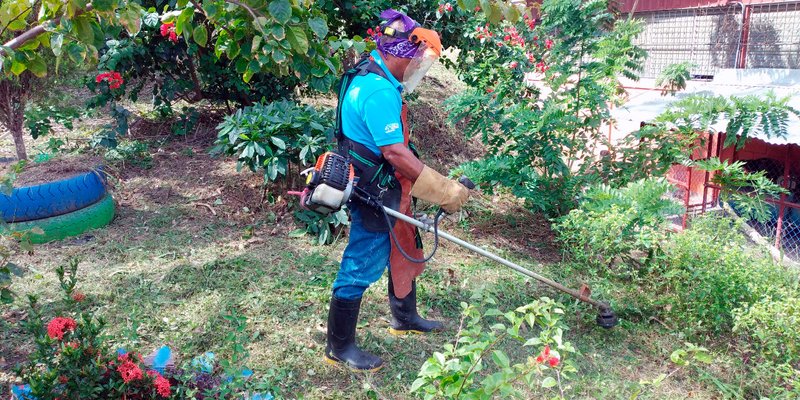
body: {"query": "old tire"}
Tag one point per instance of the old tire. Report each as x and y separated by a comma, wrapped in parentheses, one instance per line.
(95, 216)
(55, 198)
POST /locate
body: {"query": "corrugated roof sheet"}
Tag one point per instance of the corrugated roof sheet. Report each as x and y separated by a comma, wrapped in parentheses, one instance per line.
(645, 104)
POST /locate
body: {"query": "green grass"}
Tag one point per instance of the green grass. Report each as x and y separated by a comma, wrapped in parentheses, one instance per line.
(159, 282)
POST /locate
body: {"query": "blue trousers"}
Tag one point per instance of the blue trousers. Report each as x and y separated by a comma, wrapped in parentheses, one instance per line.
(365, 258)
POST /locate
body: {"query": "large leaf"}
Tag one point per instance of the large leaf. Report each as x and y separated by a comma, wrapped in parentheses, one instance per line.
(298, 39)
(37, 66)
(56, 41)
(281, 10)
(319, 26)
(200, 35)
(104, 5)
(82, 27)
(131, 19)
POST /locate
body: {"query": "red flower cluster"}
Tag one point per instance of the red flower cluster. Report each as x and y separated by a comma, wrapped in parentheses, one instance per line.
(512, 37)
(529, 21)
(483, 32)
(78, 296)
(59, 326)
(129, 371)
(545, 356)
(168, 29)
(114, 82)
(542, 67)
(548, 44)
(446, 7)
(162, 384)
(513, 65)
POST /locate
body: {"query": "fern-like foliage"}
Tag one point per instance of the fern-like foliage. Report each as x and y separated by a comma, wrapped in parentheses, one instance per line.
(674, 77)
(746, 116)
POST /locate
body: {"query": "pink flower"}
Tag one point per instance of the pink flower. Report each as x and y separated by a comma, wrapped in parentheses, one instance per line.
(548, 44)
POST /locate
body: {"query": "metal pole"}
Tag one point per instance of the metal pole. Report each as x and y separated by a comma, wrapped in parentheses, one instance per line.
(487, 254)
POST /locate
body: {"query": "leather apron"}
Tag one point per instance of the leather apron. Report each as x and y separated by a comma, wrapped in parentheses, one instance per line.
(404, 271)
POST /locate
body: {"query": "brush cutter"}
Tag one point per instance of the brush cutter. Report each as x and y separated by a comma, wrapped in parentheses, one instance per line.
(329, 185)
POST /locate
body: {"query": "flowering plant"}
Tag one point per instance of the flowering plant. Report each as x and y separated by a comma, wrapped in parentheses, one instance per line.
(73, 360)
(114, 79)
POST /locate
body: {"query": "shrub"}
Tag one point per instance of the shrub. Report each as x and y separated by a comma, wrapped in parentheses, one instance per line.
(711, 273)
(772, 326)
(626, 224)
(462, 370)
(272, 137)
(73, 359)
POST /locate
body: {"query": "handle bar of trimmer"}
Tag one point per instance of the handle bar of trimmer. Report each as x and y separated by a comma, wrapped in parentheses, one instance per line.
(497, 258)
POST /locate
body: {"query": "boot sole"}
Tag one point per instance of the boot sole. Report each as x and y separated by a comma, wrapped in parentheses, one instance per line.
(340, 364)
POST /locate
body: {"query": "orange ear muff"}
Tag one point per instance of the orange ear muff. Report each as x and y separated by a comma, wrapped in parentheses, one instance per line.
(427, 36)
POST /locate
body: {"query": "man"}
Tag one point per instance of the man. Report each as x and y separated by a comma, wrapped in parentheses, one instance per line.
(373, 134)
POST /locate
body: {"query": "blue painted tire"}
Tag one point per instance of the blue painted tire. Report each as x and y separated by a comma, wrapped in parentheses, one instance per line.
(55, 198)
(63, 226)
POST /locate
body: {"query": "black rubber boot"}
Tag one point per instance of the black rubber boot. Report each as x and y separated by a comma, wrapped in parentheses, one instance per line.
(404, 314)
(341, 348)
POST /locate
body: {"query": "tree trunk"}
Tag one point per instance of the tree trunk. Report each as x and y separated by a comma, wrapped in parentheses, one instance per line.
(13, 97)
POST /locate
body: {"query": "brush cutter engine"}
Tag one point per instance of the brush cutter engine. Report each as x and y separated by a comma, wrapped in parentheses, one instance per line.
(329, 184)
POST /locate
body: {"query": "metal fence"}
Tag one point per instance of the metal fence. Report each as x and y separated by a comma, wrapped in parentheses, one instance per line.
(732, 36)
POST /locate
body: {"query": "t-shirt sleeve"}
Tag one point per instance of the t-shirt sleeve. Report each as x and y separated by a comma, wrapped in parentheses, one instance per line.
(382, 117)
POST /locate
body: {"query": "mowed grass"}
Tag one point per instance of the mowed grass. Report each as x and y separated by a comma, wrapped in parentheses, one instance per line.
(158, 280)
(170, 271)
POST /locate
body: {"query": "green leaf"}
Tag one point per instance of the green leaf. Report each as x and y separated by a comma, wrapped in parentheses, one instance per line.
(152, 19)
(184, 21)
(83, 29)
(37, 66)
(104, 5)
(469, 5)
(549, 382)
(18, 68)
(56, 41)
(501, 359)
(281, 10)
(200, 35)
(131, 20)
(319, 27)
(278, 32)
(297, 233)
(704, 357)
(297, 37)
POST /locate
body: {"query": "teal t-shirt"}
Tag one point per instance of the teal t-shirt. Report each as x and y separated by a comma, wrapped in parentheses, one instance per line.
(371, 109)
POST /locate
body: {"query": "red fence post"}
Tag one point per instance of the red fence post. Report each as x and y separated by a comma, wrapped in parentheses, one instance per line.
(744, 40)
(782, 208)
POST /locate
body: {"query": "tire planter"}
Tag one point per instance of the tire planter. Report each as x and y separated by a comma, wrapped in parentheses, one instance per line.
(53, 198)
(75, 223)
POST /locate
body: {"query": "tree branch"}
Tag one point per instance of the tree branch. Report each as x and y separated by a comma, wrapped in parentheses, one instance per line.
(34, 32)
(14, 19)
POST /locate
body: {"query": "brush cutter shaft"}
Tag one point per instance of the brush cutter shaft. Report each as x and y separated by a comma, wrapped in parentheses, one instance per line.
(497, 258)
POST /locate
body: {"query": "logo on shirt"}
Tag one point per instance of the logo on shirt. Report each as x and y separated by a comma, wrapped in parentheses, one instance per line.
(392, 127)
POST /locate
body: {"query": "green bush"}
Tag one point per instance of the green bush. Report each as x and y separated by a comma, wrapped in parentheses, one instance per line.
(772, 326)
(271, 137)
(711, 273)
(611, 225)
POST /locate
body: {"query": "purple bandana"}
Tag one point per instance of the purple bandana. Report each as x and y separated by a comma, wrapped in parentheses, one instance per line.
(396, 46)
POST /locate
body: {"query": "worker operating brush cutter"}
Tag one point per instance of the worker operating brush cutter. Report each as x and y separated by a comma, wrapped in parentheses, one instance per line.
(376, 172)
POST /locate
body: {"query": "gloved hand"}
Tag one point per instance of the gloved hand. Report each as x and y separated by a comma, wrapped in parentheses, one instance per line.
(433, 187)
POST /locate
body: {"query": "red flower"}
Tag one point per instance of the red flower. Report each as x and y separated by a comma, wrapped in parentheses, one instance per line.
(513, 65)
(548, 44)
(546, 350)
(114, 82)
(168, 30)
(162, 386)
(129, 371)
(553, 362)
(63, 379)
(542, 67)
(59, 326)
(540, 359)
(370, 32)
(165, 28)
(448, 7)
(489, 90)
(478, 8)
(72, 344)
(78, 296)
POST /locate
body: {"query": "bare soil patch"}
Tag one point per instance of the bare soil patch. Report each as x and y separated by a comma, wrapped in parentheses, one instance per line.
(57, 169)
